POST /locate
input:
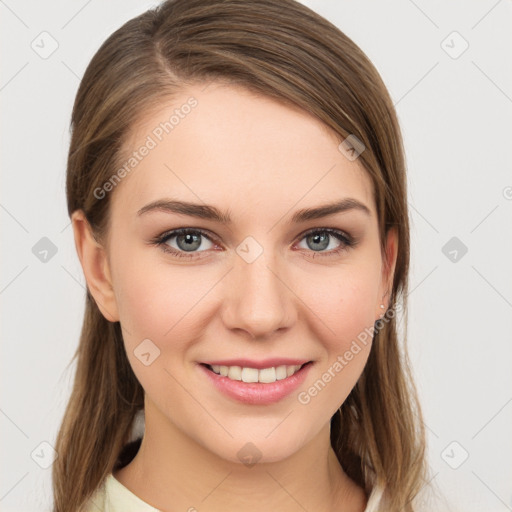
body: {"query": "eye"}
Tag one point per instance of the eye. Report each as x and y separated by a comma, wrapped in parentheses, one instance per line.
(184, 242)
(327, 240)
(191, 242)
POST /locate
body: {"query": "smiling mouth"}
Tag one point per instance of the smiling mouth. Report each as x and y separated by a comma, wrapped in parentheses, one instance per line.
(263, 375)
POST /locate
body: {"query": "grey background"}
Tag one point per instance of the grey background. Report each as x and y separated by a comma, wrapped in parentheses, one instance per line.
(454, 109)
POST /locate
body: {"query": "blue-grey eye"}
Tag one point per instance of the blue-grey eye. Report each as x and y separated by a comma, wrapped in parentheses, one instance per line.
(322, 241)
(188, 241)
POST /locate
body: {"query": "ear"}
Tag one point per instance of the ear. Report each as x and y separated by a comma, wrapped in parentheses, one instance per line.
(388, 271)
(95, 266)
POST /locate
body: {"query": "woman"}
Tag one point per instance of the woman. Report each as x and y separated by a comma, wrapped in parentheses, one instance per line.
(237, 188)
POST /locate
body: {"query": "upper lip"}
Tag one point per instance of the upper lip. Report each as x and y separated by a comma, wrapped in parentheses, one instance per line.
(266, 363)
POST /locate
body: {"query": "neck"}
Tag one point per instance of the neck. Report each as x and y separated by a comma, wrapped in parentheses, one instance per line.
(173, 472)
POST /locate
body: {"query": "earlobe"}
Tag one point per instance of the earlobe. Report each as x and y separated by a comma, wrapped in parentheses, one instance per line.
(94, 261)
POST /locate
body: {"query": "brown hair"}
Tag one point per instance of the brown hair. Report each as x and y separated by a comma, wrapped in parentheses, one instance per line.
(281, 50)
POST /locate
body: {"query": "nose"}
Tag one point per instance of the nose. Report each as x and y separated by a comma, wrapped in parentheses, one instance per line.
(258, 299)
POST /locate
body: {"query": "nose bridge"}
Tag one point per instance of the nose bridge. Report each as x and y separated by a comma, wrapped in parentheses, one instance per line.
(258, 301)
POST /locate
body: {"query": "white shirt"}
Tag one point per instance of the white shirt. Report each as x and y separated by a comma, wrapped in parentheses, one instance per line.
(113, 496)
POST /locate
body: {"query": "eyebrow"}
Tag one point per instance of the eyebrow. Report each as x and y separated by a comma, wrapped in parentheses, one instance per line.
(204, 211)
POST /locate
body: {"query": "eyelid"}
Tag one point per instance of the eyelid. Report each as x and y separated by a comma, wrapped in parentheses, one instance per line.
(332, 231)
(160, 240)
(347, 241)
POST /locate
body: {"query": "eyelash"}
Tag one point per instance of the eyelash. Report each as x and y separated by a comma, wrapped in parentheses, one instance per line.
(160, 241)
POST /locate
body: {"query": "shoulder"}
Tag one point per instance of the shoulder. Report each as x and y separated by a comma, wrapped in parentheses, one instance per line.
(113, 496)
(374, 500)
(356, 499)
(96, 503)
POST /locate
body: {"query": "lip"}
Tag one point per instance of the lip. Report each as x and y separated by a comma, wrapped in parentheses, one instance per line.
(256, 393)
(259, 365)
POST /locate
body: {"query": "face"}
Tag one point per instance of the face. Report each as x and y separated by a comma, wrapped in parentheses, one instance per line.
(256, 280)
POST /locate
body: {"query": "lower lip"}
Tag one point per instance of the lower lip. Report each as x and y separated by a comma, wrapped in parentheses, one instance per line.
(257, 393)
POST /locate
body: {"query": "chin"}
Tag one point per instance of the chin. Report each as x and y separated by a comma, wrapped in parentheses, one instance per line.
(252, 447)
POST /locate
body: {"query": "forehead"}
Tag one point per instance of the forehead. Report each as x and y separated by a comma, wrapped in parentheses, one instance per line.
(222, 143)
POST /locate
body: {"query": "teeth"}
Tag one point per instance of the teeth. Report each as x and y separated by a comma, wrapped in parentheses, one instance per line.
(249, 374)
(281, 372)
(265, 375)
(235, 373)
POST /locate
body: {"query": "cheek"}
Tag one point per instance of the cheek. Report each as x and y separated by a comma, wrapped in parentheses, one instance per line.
(158, 308)
(161, 303)
(173, 306)
(342, 317)
(341, 303)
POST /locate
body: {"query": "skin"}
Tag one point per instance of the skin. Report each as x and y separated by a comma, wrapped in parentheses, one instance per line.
(263, 161)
